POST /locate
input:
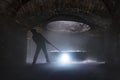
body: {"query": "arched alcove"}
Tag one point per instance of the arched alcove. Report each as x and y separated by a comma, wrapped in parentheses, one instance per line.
(67, 36)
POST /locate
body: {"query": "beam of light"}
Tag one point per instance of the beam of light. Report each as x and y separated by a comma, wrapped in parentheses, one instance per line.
(90, 61)
(64, 58)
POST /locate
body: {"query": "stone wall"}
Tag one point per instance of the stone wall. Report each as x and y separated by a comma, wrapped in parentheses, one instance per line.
(12, 42)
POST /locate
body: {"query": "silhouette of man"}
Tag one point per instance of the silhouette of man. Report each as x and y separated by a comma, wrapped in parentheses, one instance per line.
(40, 42)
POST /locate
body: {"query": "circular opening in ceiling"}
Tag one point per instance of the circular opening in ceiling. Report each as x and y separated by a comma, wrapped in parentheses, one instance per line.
(68, 26)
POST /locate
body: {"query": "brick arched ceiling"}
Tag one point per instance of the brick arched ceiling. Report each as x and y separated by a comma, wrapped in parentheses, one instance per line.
(29, 6)
(93, 11)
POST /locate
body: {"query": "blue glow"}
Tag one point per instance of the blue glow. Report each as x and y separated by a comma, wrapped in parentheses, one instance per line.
(64, 58)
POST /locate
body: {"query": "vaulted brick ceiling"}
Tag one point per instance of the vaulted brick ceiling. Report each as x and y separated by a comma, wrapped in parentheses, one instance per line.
(12, 7)
(101, 8)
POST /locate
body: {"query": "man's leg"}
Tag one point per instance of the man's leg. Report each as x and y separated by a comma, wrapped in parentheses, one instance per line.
(45, 52)
(36, 54)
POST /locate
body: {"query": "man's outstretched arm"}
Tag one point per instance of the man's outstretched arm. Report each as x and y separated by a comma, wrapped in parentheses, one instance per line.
(52, 45)
(47, 41)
